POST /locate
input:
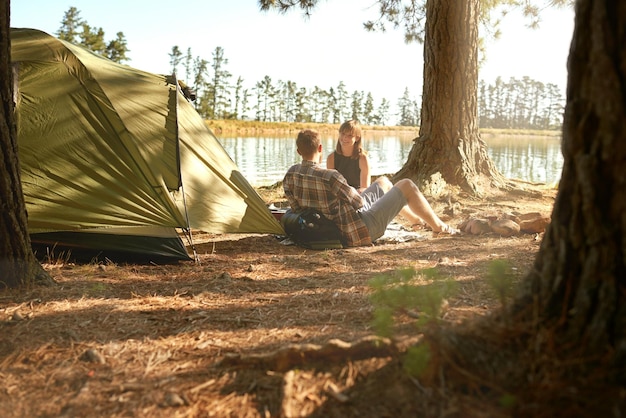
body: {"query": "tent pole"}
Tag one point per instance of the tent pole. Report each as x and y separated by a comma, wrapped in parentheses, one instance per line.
(188, 233)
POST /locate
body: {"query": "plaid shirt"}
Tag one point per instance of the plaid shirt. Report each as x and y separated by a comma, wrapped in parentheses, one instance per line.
(307, 185)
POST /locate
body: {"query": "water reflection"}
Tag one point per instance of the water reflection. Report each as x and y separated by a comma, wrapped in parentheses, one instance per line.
(264, 160)
(534, 159)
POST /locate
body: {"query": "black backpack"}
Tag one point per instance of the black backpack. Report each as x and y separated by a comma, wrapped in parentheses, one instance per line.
(310, 229)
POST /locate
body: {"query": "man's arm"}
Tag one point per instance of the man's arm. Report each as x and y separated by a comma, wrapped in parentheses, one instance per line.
(289, 194)
(345, 192)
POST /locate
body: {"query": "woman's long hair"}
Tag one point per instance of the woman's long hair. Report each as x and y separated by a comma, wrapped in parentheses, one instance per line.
(353, 128)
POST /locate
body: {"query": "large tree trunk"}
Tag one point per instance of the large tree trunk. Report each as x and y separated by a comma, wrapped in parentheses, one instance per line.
(561, 349)
(18, 266)
(449, 141)
(578, 284)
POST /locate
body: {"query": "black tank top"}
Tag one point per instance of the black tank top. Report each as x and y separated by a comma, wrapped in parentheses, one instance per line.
(349, 168)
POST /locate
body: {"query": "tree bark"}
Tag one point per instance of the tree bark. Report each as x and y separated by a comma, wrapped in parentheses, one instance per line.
(578, 284)
(18, 266)
(449, 141)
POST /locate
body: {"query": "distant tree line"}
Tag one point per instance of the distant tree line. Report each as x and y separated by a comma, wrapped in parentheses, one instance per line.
(272, 101)
(519, 104)
(75, 30)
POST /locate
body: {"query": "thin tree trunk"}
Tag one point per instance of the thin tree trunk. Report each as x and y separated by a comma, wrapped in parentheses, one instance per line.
(449, 141)
(18, 266)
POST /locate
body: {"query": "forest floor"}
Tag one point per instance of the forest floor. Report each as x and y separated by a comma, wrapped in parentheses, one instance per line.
(255, 328)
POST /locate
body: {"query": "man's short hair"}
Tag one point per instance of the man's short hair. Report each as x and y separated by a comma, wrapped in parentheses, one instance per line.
(308, 141)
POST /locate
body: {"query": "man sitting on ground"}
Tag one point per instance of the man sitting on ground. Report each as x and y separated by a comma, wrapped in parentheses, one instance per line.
(308, 185)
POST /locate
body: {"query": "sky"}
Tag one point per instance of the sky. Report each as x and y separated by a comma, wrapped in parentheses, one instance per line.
(329, 47)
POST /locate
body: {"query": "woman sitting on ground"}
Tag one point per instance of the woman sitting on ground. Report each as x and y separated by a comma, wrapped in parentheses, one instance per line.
(350, 159)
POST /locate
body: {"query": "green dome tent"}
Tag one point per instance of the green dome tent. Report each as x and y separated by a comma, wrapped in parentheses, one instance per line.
(115, 160)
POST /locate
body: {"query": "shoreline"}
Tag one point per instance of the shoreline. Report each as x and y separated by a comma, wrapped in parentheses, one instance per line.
(228, 126)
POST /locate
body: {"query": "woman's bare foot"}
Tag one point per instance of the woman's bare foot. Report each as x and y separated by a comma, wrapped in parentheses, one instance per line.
(447, 229)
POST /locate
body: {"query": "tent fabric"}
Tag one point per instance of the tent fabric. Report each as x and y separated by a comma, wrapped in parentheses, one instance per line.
(122, 244)
(104, 145)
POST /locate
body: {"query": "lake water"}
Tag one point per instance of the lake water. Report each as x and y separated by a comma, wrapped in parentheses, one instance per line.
(264, 160)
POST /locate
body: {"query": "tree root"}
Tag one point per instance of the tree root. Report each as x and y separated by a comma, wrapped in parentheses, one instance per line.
(296, 355)
(43, 278)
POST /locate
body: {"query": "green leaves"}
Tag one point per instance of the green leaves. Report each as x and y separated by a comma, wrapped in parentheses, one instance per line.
(500, 278)
(417, 294)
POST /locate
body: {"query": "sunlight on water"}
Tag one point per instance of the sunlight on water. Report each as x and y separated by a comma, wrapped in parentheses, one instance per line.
(264, 160)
